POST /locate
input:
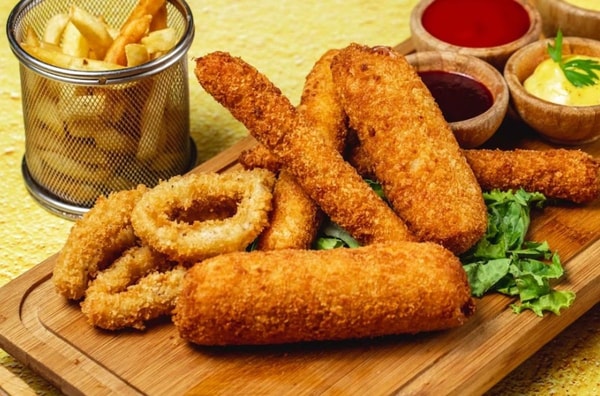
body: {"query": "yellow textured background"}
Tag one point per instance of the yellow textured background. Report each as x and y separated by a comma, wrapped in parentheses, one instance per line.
(282, 38)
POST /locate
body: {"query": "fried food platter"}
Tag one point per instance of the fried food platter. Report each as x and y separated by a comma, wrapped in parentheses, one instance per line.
(52, 337)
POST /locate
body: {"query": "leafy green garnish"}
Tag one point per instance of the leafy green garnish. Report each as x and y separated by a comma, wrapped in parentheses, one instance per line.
(333, 236)
(579, 72)
(504, 262)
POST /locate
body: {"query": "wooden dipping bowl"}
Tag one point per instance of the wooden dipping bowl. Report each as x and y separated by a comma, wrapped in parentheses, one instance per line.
(496, 55)
(572, 20)
(474, 131)
(562, 124)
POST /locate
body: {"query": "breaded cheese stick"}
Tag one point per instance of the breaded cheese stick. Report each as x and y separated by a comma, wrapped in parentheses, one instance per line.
(321, 170)
(411, 147)
(285, 296)
(295, 218)
(571, 175)
(320, 107)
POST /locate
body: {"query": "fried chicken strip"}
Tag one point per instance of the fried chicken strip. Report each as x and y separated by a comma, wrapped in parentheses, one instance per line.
(285, 296)
(321, 171)
(295, 218)
(571, 175)
(411, 147)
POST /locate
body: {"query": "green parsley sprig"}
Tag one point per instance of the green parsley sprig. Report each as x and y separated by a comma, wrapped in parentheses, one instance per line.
(579, 72)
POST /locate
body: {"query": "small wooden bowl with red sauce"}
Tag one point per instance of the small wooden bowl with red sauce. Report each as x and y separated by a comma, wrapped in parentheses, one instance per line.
(572, 20)
(490, 30)
(472, 94)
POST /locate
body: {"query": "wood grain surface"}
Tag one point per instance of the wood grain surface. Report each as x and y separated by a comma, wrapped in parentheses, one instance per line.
(50, 335)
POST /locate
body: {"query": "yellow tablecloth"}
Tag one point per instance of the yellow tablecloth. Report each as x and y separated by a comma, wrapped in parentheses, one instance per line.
(283, 39)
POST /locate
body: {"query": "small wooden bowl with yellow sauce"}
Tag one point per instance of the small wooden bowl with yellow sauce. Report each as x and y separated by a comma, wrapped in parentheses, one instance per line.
(561, 123)
(489, 30)
(577, 18)
(471, 93)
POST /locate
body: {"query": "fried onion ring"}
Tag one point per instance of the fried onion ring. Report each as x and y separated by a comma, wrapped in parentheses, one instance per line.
(139, 286)
(95, 241)
(187, 219)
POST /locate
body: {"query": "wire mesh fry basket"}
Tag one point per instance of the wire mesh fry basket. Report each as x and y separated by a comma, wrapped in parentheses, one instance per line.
(90, 132)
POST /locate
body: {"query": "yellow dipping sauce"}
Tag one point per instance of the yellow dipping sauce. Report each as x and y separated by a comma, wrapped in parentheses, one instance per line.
(548, 82)
(588, 4)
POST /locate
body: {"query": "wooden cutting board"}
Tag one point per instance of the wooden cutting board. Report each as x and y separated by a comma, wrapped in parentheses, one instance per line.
(51, 336)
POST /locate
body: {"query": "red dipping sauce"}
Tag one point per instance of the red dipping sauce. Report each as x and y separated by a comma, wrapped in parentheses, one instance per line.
(458, 96)
(476, 23)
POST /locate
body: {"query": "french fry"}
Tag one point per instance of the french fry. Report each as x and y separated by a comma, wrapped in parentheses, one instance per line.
(159, 19)
(82, 104)
(145, 7)
(48, 53)
(132, 32)
(54, 28)
(152, 138)
(160, 41)
(74, 169)
(55, 56)
(110, 139)
(136, 54)
(31, 38)
(44, 113)
(93, 29)
(74, 43)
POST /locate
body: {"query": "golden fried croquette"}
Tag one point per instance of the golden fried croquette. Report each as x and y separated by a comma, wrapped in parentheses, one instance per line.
(295, 218)
(413, 152)
(319, 169)
(284, 296)
(571, 175)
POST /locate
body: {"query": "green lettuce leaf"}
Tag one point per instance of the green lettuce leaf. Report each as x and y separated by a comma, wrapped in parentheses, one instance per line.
(504, 262)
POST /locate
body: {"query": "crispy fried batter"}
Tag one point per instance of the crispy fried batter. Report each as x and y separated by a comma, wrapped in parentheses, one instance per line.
(295, 218)
(95, 240)
(320, 107)
(411, 147)
(319, 169)
(139, 286)
(571, 175)
(163, 218)
(259, 157)
(290, 295)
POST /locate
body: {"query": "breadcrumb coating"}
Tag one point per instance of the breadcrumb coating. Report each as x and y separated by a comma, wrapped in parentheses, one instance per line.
(291, 295)
(412, 150)
(572, 175)
(95, 241)
(321, 171)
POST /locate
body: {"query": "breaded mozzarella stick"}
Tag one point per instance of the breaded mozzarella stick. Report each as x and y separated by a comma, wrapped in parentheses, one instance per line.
(411, 147)
(295, 218)
(571, 175)
(321, 171)
(284, 296)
